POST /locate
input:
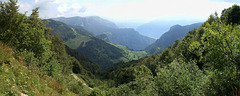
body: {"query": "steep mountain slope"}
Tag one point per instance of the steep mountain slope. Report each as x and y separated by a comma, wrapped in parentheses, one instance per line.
(18, 78)
(93, 24)
(64, 31)
(32, 60)
(98, 51)
(104, 54)
(130, 38)
(98, 26)
(85, 62)
(61, 29)
(168, 38)
(69, 33)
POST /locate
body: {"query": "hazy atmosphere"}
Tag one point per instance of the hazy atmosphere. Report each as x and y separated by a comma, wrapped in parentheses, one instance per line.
(127, 10)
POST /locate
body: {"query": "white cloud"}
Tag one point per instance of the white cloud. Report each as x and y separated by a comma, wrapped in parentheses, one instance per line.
(52, 8)
(60, 1)
(69, 10)
(160, 8)
(24, 7)
(62, 8)
(43, 4)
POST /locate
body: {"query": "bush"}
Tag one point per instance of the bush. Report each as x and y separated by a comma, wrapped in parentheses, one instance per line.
(179, 78)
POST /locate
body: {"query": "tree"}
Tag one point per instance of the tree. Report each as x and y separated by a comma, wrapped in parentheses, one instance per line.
(231, 15)
(20, 32)
(179, 78)
(219, 50)
(11, 22)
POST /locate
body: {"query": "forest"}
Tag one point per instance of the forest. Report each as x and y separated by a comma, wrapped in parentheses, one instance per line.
(39, 57)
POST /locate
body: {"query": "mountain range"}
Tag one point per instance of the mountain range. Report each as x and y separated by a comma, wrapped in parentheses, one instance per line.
(104, 54)
(167, 39)
(47, 57)
(155, 28)
(96, 25)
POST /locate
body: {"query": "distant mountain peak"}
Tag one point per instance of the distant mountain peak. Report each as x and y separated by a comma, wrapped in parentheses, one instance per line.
(167, 39)
(157, 27)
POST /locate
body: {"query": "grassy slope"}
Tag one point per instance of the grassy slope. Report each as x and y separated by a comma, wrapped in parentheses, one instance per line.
(16, 78)
(103, 56)
(130, 54)
(76, 42)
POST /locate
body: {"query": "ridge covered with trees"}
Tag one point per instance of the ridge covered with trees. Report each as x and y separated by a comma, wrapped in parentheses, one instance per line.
(176, 32)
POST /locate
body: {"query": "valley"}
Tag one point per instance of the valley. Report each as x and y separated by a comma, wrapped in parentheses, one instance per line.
(92, 56)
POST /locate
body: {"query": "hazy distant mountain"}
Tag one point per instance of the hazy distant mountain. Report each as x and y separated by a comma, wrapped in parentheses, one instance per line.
(126, 24)
(98, 26)
(93, 24)
(156, 28)
(168, 38)
(129, 37)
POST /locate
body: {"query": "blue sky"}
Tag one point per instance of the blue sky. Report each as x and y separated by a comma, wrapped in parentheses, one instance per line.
(120, 10)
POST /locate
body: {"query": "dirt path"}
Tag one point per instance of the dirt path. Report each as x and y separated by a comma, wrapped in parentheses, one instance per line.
(83, 83)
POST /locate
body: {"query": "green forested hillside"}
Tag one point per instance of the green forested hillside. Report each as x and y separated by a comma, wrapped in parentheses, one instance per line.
(64, 31)
(33, 61)
(107, 55)
(100, 52)
(85, 62)
(73, 41)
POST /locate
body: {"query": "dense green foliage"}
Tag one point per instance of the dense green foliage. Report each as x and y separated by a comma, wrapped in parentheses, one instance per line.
(231, 15)
(19, 79)
(180, 78)
(33, 61)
